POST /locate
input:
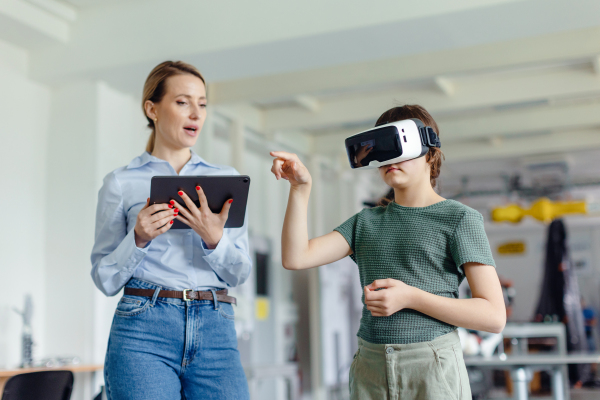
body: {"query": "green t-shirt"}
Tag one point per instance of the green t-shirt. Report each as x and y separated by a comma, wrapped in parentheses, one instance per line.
(424, 247)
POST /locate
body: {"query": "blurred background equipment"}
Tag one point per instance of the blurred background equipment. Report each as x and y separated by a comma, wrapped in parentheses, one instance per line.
(560, 299)
(543, 210)
(27, 335)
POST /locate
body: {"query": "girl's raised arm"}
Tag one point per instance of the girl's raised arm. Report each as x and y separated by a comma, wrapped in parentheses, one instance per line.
(297, 251)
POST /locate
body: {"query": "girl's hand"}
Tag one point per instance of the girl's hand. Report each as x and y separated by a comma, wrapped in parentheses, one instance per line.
(392, 297)
(362, 153)
(202, 220)
(288, 166)
(152, 221)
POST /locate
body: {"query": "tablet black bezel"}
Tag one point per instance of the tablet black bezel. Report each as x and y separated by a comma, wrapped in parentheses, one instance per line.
(217, 188)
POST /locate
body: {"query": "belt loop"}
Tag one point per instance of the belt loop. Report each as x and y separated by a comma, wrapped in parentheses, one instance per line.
(156, 292)
(214, 293)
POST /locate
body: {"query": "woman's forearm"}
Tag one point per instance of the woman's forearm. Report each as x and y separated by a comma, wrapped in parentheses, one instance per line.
(475, 313)
(294, 237)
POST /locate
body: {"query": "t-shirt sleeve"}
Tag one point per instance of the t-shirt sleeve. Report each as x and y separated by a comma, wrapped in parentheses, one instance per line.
(470, 243)
(348, 231)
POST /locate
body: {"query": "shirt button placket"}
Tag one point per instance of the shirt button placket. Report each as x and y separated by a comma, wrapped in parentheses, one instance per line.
(191, 244)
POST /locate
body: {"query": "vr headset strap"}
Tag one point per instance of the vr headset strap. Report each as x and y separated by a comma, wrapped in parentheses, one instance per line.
(429, 137)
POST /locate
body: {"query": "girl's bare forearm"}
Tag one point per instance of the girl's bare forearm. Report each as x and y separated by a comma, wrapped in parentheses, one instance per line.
(475, 313)
(294, 237)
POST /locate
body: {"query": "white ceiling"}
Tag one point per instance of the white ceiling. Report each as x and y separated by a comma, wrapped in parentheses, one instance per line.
(268, 37)
(94, 3)
(504, 78)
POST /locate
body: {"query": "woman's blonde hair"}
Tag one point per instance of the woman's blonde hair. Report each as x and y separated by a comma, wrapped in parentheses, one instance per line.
(434, 157)
(155, 88)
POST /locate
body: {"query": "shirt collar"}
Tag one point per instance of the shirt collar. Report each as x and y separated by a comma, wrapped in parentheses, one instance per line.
(146, 157)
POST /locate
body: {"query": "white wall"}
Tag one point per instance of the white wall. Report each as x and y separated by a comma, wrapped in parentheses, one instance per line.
(525, 270)
(70, 207)
(24, 111)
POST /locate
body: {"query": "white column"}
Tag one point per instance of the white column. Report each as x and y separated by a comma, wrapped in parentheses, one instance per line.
(204, 145)
(238, 145)
(314, 286)
(71, 187)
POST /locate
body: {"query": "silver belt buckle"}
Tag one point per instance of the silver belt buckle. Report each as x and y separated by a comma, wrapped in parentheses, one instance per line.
(185, 298)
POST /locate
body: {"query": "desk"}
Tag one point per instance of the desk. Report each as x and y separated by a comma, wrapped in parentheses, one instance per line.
(520, 333)
(288, 371)
(6, 374)
(521, 366)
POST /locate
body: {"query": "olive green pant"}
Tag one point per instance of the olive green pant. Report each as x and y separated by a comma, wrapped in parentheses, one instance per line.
(416, 371)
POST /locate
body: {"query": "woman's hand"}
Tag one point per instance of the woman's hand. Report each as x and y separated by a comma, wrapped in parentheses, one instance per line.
(392, 297)
(202, 220)
(152, 221)
(288, 166)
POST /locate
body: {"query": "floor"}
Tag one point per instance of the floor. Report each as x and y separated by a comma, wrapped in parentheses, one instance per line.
(576, 394)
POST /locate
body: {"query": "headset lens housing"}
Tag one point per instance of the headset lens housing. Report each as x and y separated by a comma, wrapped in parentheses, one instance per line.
(375, 145)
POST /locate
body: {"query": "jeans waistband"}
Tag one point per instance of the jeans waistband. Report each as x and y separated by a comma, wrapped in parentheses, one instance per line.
(443, 341)
(136, 283)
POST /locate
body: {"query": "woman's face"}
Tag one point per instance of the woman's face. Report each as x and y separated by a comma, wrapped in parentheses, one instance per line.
(405, 174)
(181, 112)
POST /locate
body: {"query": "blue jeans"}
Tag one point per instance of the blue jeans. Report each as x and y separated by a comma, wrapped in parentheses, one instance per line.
(162, 348)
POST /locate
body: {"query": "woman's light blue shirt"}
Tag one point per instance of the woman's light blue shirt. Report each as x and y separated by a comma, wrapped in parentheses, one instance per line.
(177, 259)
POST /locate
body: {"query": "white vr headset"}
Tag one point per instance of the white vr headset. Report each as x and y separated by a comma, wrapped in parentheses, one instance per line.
(391, 143)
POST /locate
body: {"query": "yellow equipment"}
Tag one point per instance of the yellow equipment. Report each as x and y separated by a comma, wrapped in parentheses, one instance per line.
(543, 210)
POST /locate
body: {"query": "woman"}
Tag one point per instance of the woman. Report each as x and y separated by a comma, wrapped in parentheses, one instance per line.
(412, 254)
(173, 333)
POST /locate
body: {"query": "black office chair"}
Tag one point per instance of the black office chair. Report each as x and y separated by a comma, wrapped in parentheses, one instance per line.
(45, 385)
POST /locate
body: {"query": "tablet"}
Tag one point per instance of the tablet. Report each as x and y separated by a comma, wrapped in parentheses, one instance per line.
(217, 188)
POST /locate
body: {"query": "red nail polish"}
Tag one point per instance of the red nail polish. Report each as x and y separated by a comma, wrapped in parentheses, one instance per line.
(180, 193)
(230, 201)
(197, 187)
(170, 205)
(176, 210)
(171, 222)
(172, 202)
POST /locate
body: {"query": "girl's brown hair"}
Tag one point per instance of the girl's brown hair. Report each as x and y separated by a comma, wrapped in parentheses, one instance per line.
(155, 88)
(434, 157)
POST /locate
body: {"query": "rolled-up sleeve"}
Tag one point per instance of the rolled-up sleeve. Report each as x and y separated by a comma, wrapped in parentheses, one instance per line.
(230, 259)
(114, 255)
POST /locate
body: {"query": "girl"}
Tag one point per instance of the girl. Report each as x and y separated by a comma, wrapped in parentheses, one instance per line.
(173, 333)
(412, 253)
